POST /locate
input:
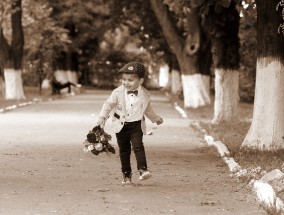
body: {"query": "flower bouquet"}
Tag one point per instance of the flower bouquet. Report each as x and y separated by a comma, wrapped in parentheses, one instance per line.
(98, 141)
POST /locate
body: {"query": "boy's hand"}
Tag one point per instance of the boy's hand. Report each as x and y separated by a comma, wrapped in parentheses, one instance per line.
(101, 122)
(159, 121)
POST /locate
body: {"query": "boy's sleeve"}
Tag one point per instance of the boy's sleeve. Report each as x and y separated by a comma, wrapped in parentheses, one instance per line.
(108, 105)
(149, 112)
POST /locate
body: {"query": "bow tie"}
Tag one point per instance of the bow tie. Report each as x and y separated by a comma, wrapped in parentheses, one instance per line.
(135, 92)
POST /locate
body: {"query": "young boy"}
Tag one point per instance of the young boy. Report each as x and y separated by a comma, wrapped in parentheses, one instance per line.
(130, 103)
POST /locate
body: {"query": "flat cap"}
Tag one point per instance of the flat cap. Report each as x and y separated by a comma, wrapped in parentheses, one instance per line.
(133, 68)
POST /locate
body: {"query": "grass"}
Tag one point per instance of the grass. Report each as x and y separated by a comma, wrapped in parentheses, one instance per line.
(233, 134)
(254, 163)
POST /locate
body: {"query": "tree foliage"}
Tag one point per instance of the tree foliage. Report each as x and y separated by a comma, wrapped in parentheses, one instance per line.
(89, 19)
(140, 20)
(43, 35)
(54, 28)
(43, 38)
(86, 23)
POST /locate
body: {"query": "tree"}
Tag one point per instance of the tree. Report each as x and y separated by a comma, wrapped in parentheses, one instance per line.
(186, 49)
(85, 22)
(222, 23)
(12, 54)
(44, 39)
(267, 129)
(164, 30)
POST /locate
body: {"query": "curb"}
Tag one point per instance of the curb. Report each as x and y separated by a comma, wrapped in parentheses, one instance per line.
(264, 191)
(30, 102)
(12, 107)
(221, 148)
(181, 111)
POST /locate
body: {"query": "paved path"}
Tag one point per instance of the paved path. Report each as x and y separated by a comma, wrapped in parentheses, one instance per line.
(44, 169)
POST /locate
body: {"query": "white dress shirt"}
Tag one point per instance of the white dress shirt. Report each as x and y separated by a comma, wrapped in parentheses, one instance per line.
(134, 106)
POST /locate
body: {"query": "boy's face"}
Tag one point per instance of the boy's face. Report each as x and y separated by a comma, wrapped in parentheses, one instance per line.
(131, 81)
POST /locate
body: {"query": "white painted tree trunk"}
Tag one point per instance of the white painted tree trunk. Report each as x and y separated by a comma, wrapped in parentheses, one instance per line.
(176, 85)
(267, 128)
(226, 95)
(164, 75)
(2, 88)
(13, 84)
(196, 90)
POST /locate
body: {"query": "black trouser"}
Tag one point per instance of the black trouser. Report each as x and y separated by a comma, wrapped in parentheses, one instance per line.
(131, 135)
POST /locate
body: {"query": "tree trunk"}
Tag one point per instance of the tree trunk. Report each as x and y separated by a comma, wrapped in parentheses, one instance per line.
(193, 30)
(13, 84)
(164, 75)
(5, 52)
(186, 51)
(225, 50)
(176, 85)
(2, 88)
(226, 96)
(13, 64)
(195, 89)
(17, 46)
(267, 128)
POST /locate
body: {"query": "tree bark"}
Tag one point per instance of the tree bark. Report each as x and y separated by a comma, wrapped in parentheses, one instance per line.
(226, 92)
(13, 55)
(5, 52)
(195, 88)
(186, 51)
(4, 56)
(193, 31)
(174, 40)
(225, 49)
(14, 84)
(17, 45)
(267, 129)
(176, 86)
(2, 83)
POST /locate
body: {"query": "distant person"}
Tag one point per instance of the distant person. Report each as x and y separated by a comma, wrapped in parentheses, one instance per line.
(130, 102)
(58, 86)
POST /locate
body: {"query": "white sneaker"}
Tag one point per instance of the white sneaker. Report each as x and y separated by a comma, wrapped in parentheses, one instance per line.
(144, 174)
(126, 179)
